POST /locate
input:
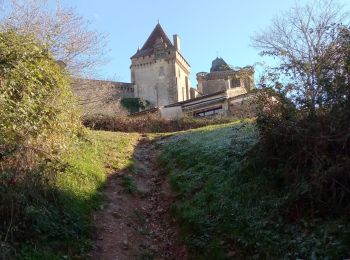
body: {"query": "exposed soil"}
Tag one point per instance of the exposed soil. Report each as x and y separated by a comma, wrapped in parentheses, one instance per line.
(138, 225)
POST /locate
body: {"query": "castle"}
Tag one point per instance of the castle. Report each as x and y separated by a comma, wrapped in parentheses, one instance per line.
(160, 75)
(159, 72)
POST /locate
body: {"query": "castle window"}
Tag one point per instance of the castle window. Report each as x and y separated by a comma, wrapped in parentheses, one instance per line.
(235, 83)
(209, 112)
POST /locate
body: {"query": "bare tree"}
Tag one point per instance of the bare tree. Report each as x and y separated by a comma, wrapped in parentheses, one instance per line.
(299, 38)
(67, 34)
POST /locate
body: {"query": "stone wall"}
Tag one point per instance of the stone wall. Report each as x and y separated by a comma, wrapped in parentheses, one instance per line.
(161, 80)
(154, 80)
(243, 106)
(100, 96)
(194, 93)
(215, 85)
(209, 83)
(182, 72)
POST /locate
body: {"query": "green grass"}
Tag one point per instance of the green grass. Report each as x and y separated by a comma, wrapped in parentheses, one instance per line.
(63, 227)
(229, 207)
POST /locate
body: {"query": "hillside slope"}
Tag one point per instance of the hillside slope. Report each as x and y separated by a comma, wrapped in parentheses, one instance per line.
(61, 222)
(228, 208)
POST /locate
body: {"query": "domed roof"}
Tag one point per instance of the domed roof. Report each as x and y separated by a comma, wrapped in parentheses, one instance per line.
(219, 65)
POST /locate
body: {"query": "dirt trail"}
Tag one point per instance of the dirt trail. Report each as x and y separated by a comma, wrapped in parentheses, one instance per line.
(139, 225)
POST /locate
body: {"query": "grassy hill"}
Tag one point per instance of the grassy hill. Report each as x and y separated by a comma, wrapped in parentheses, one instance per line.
(226, 205)
(229, 208)
(61, 220)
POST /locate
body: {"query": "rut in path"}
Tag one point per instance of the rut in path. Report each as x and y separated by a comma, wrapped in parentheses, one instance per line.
(138, 226)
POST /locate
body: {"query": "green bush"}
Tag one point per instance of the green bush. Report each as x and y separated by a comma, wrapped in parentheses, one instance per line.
(38, 122)
(312, 143)
(134, 104)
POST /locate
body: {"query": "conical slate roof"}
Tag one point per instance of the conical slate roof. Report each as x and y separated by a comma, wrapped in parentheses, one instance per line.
(148, 47)
(219, 65)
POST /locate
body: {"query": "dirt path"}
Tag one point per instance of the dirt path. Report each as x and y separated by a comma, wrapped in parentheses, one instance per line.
(135, 222)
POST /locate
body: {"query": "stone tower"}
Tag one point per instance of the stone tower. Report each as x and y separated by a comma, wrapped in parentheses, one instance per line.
(159, 72)
(222, 77)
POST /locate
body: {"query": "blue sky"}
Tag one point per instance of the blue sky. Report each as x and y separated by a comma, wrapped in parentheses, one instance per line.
(207, 28)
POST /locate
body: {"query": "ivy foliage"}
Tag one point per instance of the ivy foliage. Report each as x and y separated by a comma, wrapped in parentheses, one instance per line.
(38, 123)
(134, 104)
(35, 100)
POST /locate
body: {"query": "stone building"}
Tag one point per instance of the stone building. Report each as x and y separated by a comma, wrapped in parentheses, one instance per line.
(160, 76)
(223, 77)
(158, 70)
(226, 103)
(221, 92)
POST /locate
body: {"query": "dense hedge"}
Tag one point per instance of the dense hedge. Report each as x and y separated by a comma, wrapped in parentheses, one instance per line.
(134, 104)
(37, 123)
(307, 141)
(148, 123)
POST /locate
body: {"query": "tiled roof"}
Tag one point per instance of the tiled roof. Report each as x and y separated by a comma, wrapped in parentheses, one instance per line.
(148, 47)
(197, 98)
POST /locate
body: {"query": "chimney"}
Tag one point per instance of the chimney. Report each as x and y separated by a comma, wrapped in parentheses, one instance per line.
(176, 42)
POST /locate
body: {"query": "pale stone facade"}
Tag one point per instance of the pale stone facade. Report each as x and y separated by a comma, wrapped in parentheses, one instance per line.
(159, 72)
(221, 92)
(222, 77)
(226, 103)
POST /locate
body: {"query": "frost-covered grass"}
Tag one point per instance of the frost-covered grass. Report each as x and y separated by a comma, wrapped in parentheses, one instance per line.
(229, 207)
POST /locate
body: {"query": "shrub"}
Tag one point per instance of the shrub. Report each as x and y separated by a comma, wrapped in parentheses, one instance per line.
(134, 104)
(37, 123)
(309, 148)
(304, 114)
(148, 123)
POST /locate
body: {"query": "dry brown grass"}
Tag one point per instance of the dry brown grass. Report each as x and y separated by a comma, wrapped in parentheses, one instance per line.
(148, 123)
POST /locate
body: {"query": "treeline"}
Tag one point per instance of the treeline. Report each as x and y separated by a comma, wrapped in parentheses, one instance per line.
(41, 133)
(304, 108)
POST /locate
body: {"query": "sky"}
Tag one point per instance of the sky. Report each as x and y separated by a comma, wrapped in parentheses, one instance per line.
(207, 29)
